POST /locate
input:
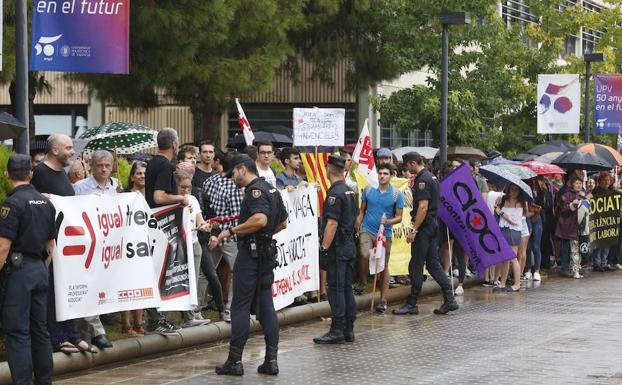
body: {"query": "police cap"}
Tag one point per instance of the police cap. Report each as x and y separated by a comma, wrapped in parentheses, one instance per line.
(19, 163)
(412, 156)
(240, 159)
(336, 161)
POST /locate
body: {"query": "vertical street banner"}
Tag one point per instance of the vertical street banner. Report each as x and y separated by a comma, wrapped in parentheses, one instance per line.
(174, 268)
(604, 219)
(89, 36)
(319, 126)
(559, 104)
(103, 259)
(607, 104)
(469, 219)
(1, 34)
(298, 268)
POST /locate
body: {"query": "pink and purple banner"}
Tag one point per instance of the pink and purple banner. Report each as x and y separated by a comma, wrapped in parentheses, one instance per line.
(607, 104)
(464, 211)
(90, 36)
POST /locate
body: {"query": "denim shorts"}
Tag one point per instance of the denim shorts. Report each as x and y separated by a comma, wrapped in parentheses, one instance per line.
(512, 236)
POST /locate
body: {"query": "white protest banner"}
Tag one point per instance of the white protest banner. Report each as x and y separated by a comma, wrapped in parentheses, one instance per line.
(298, 270)
(319, 126)
(174, 268)
(559, 104)
(105, 261)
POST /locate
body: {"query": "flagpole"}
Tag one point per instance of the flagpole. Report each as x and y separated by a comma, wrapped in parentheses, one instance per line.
(373, 290)
(319, 276)
(451, 268)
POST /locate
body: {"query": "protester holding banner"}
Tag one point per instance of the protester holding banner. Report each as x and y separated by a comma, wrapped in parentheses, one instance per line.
(49, 178)
(338, 253)
(161, 190)
(511, 209)
(27, 233)
(600, 251)
(424, 238)
(262, 214)
(386, 201)
(100, 183)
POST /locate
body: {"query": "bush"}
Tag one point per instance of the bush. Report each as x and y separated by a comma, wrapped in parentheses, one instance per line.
(124, 171)
(5, 185)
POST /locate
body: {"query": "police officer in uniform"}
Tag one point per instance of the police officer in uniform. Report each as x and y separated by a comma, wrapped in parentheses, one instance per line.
(262, 214)
(338, 253)
(424, 238)
(27, 234)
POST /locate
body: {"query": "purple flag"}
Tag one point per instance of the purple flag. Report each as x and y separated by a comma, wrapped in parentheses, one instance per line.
(469, 219)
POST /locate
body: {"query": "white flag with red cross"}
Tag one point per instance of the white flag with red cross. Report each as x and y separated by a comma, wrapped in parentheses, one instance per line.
(245, 126)
(364, 156)
(378, 253)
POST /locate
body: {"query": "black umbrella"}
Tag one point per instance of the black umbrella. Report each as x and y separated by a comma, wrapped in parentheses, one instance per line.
(9, 126)
(525, 157)
(573, 160)
(550, 146)
(284, 130)
(279, 140)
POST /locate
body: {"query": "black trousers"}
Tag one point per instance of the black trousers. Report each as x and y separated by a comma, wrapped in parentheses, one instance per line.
(339, 276)
(209, 271)
(244, 297)
(24, 314)
(424, 251)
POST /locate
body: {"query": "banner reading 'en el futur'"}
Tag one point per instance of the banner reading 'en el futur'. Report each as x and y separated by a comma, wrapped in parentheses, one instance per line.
(604, 222)
(110, 249)
(559, 104)
(90, 36)
(298, 246)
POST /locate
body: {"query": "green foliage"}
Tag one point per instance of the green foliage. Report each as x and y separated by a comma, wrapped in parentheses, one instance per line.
(5, 185)
(124, 171)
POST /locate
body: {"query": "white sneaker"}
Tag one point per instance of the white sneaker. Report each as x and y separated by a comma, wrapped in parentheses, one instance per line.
(528, 276)
(468, 273)
(618, 266)
(456, 272)
(577, 275)
(193, 322)
(226, 316)
(536, 276)
(459, 291)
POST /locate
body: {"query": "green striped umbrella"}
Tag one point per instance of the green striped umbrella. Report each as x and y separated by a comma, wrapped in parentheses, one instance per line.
(122, 138)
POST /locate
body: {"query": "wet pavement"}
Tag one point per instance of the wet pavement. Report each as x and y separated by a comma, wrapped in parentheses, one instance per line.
(565, 331)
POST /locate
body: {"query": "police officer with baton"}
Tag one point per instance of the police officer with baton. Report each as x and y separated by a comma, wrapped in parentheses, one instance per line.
(262, 215)
(424, 238)
(27, 238)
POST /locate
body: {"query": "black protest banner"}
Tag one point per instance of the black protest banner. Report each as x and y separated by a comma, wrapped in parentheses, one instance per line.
(604, 219)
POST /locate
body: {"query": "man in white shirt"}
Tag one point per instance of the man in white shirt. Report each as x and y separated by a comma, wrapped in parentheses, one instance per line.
(265, 154)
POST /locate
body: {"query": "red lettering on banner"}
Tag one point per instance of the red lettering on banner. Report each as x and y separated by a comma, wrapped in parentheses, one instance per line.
(287, 285)
(125, 295)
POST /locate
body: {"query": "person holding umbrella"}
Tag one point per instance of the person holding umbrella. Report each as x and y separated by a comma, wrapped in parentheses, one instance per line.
(511, 210)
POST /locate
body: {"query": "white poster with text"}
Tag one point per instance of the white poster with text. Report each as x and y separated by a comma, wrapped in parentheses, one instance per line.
(319, 126)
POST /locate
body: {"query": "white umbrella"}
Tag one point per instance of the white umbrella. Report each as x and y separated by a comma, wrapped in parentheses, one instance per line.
(426, 152)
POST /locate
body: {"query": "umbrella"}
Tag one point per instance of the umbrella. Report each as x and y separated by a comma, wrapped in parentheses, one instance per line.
(582, 161)
(550, 146)
(606, 153)
(466, 153)
(525, 157)
(278, 140)
(426, 152)
(501, 178)
(548, 158)
(543, 168)
(10, 127)
(519, 171)
(501, 160)
(122, 138)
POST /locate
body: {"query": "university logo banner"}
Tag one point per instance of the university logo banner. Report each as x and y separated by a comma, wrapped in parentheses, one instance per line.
(89, 36)
(298, 269)
(469, 219)
(559, 104)
(110, 249)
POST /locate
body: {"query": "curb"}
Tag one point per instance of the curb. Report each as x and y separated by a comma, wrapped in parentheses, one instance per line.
(132, 348)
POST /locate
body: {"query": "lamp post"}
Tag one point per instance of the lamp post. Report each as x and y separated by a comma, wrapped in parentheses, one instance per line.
(589, 58)
(21, 144)
(447, 19)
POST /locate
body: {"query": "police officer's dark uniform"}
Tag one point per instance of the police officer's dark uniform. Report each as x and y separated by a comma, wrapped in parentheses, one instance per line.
(27, 220)
(253, 274)
(338, 260)
(424, 248)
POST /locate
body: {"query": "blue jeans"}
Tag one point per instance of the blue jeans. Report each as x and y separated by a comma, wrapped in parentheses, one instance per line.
(534, 246)
(600, 257)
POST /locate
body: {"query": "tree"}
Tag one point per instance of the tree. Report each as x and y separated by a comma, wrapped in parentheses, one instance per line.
(493, 72)
(201, 53)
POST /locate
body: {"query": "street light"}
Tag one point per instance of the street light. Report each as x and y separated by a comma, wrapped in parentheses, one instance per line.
(447, 19)
(589, 58)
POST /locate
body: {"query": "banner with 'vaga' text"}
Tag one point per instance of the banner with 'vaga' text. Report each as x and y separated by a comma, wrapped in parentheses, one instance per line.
(113, 255)
(604, 220)
(298, 248)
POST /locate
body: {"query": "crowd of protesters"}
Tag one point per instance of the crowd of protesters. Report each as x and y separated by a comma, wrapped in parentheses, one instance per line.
(543, 233)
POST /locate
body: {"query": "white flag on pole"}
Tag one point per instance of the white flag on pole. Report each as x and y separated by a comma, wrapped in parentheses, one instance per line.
(247, 131)
(364, 156)
(378, 253)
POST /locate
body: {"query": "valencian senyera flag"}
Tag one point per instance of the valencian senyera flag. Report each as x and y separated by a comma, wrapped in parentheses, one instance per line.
(315, 168)
(469, 219)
